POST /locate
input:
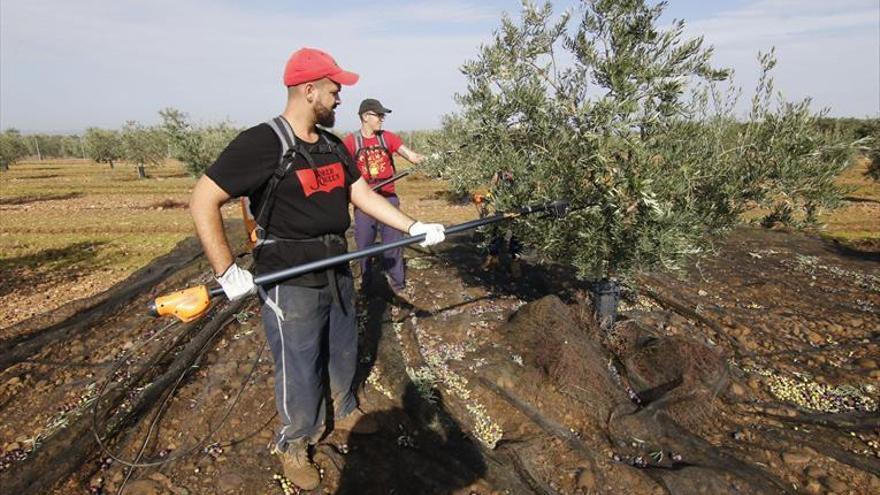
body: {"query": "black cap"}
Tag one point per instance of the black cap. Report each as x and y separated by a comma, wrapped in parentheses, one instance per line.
(372, 105)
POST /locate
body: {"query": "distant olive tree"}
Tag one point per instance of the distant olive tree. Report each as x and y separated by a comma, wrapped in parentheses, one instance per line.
(873, 156)
(72, 146)
(196, 146)
(46, 145)
(104, 145)
(869, 133)
(631, 122)
(143, 145)
(12, 148)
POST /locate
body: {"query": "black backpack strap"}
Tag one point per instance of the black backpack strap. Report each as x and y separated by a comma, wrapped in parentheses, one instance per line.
(358, 149)
(284, 132)
(343, 155)
(358, 142)
(285, 164)
(289, 149)
(381, 137)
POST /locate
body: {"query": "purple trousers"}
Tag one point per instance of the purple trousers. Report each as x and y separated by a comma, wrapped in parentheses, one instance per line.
(365, 230)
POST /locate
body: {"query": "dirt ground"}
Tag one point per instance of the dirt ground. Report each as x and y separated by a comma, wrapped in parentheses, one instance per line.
(70, 229)
(756, 371)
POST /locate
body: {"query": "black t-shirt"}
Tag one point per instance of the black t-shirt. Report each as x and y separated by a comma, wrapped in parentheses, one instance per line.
(305, 205)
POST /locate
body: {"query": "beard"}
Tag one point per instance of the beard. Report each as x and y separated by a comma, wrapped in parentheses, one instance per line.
(326, 117)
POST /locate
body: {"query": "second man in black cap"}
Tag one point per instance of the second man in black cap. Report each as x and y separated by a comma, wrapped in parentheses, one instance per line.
(373, 149)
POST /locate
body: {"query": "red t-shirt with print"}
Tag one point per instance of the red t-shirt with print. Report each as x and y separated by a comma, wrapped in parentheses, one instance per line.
(372, 161)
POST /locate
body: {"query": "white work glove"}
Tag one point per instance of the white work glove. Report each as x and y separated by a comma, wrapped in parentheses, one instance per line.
(237, 282)
(434, 233)
(435, 156)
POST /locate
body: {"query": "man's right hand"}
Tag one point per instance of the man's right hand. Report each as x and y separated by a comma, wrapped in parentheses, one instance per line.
(434, 232)
(237, 282)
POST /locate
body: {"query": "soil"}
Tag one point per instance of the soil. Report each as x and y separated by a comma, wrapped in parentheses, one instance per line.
(755, 371)
(71, 229)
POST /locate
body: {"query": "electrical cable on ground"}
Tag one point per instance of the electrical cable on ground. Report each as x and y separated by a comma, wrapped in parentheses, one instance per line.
(136, 463)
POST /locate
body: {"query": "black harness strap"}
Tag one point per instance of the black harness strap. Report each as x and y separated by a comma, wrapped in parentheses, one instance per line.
(290, 146)
(288, 153)
(328, 240)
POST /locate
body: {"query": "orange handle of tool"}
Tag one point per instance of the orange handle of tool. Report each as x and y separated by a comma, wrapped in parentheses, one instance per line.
(187, 305)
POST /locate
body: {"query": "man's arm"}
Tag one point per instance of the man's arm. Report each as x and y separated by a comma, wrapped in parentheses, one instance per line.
(379, 208)
(204, 206)
(410, 155)
(374, 205)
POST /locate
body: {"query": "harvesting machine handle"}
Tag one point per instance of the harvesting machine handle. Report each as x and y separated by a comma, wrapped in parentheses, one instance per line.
(187, 304)
(190, 304)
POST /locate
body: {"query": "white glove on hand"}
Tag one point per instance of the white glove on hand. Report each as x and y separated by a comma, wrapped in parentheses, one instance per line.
(237, 282)
(434, 233)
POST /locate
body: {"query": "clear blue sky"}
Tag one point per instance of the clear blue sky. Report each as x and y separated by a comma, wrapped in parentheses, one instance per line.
(68, 65)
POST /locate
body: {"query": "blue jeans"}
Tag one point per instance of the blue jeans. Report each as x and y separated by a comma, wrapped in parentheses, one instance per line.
(310, 335)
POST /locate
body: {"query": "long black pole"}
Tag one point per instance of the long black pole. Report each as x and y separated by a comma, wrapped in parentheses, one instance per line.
(391, 179)
(557, 208)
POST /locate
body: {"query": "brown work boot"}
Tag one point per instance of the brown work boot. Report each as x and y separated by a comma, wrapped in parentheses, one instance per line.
(298, 468)
(358, 423)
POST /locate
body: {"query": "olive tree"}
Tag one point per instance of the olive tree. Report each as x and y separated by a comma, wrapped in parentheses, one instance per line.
(12, 148)
(630, 122)
(103, 145)
(143, 146)
(196, 146)
(873, 156)
(869, 133)
(794, 161)
(46, 146)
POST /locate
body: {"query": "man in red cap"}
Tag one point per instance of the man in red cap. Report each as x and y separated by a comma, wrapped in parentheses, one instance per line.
(302, 178)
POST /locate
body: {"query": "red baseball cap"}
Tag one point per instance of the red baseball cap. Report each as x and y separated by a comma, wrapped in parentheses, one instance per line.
(311, 64)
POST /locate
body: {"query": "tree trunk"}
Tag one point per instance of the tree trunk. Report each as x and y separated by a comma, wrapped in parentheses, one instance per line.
(111, 164)
(142, 173)
(606, 296)
(4, 166)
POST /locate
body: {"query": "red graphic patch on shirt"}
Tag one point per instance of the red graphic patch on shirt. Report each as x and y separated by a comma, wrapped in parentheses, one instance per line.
(374, 164)
(328, 178)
